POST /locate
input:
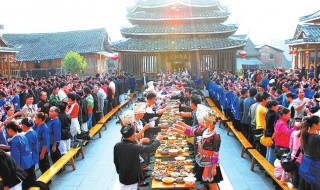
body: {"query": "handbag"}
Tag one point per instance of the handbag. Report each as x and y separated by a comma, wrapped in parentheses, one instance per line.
(287, 162)
(84, 135)
(266, 141)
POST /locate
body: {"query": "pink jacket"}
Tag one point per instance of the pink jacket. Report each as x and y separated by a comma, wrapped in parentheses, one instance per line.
(295, 144)
(282, 133)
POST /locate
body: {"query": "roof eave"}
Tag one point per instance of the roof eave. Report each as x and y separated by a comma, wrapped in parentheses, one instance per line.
(128, 35)
(197, 49)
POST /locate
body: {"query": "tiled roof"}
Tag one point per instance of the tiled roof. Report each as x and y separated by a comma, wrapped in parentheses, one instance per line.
(310, 18)
(178, 44)
(197, 28)
(161, 3)
(7, 50)
(178, 15)
(308, 33)
(270, 46)
(249, 48)
(46, 46)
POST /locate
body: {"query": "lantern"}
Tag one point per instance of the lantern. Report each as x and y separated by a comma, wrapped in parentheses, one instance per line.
(295, 51)
(114, 57)
(243, 54)
(290, 52)
(307, 52)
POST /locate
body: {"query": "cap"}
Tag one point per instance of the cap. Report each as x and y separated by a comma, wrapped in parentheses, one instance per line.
(127, 131)
(286, 85)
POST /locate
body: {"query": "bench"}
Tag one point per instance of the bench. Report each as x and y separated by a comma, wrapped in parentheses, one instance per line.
(245, 144)
(223, 118)
(56, 167)
(210, 102)
(96, 129)
(256, 156)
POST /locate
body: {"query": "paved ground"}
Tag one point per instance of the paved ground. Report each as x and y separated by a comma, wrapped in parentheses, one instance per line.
(97, 170)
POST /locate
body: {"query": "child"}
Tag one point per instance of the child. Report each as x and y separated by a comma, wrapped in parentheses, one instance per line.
(279, 173)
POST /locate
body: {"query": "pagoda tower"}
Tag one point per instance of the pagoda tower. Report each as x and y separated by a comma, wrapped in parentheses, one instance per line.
(173, 34)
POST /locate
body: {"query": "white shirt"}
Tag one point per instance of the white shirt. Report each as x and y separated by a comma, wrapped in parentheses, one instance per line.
(112, 86)
(62, 95)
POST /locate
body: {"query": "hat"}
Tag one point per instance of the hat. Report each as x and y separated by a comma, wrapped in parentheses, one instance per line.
(127, 117)
(205, 113)
(127, 131)
(139, 108)
(286, 85)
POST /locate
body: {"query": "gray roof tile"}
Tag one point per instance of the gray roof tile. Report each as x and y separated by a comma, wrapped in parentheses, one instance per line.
(46, 46)
(210, 28)
(178, 44)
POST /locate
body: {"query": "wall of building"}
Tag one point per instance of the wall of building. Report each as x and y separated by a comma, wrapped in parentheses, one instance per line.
(271, 57)
(94, 65)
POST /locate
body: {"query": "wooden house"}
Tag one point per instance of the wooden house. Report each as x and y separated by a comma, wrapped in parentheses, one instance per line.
(41, 53)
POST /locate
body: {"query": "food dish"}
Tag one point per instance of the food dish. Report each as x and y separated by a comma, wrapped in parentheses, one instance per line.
(189, 181)
(168, 180)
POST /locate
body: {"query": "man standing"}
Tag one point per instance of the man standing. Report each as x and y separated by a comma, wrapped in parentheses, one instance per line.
(43, 104)
(300, 104)
(54, 98)
(126, 158)
(246, 120)
(144, 79)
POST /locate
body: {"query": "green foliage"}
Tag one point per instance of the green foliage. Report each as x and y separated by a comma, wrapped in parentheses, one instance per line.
(74, 62)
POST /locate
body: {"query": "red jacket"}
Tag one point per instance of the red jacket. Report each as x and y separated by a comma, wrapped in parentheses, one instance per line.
(282, 133)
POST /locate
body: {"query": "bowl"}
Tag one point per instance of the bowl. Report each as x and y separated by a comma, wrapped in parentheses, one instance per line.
(190, 181)
(180, 158)
(174, 174)
(168, 180)
(171, 139)
(189, 161)
(173, 152)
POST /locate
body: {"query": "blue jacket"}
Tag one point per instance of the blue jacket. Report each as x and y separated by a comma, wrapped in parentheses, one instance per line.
(43, 135)
(55, 130)
(31, 135)
(246, 105)
(20, 151)
(236, 109)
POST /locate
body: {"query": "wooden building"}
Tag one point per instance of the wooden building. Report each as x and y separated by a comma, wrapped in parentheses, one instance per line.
(41, 53)
(173, 34)
(305, 44)
(7, 56)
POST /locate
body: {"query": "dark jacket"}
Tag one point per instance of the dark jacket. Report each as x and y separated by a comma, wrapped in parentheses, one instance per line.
(65, 125)
(10, 172)
(127, 161)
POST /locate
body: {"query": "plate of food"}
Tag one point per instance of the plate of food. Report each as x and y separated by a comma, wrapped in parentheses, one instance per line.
(168, 180)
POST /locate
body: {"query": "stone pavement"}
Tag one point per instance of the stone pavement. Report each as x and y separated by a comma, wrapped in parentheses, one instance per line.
(97, 170)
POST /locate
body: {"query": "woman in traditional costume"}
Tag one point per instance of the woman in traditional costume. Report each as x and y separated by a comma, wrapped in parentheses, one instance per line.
(208, 146)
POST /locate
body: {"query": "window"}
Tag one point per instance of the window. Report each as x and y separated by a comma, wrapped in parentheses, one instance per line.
(271, 56)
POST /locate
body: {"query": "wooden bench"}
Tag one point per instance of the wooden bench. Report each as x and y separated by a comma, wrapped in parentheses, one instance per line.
(256, 156)
(96, 129)
(223, 118)
(245, 144)
(56, 167)
(210, 102)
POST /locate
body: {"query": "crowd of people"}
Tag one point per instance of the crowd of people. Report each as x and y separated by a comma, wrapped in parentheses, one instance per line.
(40, 118)
(140, 130)
(280, 106)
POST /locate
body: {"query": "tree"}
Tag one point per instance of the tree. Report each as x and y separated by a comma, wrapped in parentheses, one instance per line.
(74, 62)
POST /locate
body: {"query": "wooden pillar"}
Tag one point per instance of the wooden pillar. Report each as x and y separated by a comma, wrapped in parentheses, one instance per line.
(315, 62)
(295, 56)
(198, 64)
